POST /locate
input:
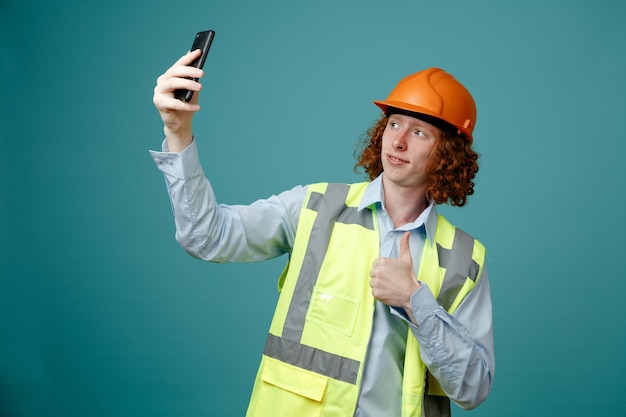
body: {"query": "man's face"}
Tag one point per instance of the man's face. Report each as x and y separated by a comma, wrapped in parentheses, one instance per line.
(407, 145)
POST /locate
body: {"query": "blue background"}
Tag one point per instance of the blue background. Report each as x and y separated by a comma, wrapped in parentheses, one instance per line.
(102, 313)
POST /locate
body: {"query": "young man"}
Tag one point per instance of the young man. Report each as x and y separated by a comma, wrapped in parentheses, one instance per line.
(385, 307)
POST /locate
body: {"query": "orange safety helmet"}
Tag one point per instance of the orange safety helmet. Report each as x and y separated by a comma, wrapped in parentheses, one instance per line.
(435, 93)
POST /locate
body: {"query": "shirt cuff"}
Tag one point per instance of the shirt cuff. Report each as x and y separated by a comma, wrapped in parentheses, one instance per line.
(423, 303)
(180, 165)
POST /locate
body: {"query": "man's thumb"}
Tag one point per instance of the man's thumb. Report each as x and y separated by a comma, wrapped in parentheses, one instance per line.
(405, 249)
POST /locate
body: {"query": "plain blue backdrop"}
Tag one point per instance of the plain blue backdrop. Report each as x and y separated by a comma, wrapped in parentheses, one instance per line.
(103, 314)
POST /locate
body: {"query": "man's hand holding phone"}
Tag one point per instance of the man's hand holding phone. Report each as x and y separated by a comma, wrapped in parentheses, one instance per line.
(174, 96)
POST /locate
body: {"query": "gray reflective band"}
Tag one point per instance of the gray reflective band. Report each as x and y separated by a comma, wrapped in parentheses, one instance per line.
(328, 207)
(312, 359)
(347, 215)
(458, 267)
(331, 209)
(352, 215)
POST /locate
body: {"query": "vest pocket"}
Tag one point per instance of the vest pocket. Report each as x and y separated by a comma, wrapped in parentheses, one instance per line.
(333, 311)
(287, 390)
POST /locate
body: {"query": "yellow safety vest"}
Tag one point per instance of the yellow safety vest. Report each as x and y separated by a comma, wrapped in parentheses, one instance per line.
(312, 361)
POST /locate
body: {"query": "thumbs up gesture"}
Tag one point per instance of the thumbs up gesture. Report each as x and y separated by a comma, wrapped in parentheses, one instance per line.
(393, 280)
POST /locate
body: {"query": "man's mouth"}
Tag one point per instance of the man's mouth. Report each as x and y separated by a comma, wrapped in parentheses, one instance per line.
(396, 160)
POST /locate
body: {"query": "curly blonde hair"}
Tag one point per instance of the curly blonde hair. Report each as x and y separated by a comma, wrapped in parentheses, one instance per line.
(451, 168)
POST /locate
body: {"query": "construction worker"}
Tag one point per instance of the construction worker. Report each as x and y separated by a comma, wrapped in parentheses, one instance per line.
(384, 307)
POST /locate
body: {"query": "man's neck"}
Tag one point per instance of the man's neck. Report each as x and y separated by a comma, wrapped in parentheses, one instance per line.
(403, 205)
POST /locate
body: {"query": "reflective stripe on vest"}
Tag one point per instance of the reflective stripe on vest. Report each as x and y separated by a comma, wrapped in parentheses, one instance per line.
(330, 208)
(458, 268)
(450, 267)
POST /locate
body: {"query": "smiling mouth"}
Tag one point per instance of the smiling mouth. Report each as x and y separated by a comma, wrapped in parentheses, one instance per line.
(396, 160)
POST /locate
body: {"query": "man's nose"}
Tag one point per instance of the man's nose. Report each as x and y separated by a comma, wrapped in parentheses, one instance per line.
(399, 141)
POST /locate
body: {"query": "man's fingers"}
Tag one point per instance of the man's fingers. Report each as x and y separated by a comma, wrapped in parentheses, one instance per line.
(179, 75)
(167, 85)
(188, 58)
(181, 71)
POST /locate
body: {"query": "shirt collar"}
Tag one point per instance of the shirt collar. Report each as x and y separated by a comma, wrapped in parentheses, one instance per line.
(374, 196)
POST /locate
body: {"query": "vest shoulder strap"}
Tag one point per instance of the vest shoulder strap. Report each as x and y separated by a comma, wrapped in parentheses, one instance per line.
(460, 257)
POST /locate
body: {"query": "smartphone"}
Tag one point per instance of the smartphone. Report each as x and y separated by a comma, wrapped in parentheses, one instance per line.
(202, 41)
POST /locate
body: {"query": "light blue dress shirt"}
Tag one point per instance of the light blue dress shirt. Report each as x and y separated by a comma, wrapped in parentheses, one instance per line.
(457, 349)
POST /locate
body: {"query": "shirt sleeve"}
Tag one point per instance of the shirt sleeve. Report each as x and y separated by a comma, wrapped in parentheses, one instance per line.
(458, 349)
(225, 233)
